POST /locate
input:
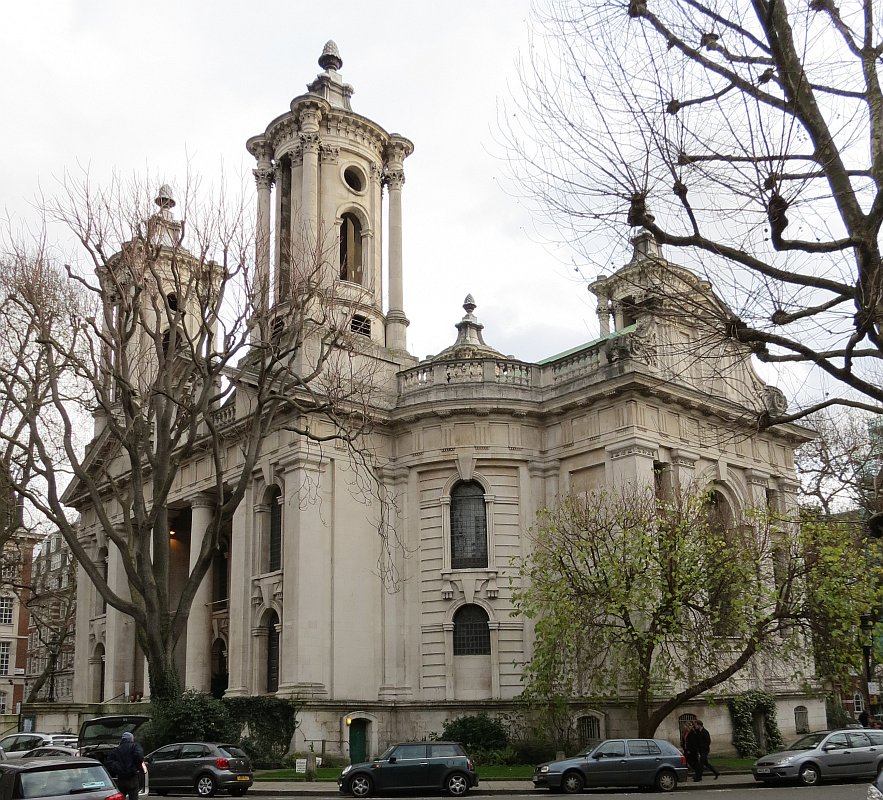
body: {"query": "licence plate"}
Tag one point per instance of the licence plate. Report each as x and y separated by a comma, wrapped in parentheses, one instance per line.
(763, 770)
(242, 777)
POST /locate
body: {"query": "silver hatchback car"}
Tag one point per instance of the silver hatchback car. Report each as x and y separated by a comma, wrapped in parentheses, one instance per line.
(825, 756)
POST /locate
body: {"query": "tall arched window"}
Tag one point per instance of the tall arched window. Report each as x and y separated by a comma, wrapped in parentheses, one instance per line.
(801, 719)
(468, 526)
(472, 637)
(272, 652)
(274, 555)
(350, 249)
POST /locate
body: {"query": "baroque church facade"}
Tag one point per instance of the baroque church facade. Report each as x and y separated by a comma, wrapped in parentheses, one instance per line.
(473, 443)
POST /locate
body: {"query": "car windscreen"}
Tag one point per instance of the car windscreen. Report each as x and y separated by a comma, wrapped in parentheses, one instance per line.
(385, 753)
(807, 742)
(64, 781)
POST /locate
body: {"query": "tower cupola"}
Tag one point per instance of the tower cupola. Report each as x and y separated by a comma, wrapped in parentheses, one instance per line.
(321, 171)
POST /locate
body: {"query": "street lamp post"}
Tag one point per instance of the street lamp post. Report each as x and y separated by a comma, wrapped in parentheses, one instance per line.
(53, 657)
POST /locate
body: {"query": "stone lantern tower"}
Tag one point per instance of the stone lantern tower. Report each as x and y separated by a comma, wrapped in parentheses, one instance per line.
(328, 166)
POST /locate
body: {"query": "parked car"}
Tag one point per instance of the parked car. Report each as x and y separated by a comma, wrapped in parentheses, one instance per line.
(202, 766)
(100, 735)
(52, 750)
(57, 778)
(442, 766)
(616, 762)
(17, 744)
(825, 755)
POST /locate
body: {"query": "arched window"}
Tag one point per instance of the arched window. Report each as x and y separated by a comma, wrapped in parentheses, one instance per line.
(272, 652)
(858, 703)
(801, 719)
(274, 555)
(220, 577)
(350, 249)
(588, 729)
(472, 637)
(468, 526)
(682, 723)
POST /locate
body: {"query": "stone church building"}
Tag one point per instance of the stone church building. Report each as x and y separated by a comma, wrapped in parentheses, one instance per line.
(472, 443)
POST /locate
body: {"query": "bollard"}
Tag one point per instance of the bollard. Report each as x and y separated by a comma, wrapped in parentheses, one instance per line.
(310, 774)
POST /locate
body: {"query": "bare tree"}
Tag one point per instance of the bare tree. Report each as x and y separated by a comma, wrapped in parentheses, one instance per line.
(838, 469)
(158, 329)
(745, 136)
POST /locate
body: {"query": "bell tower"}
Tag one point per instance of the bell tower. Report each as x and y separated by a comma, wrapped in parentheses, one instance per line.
(328, 166)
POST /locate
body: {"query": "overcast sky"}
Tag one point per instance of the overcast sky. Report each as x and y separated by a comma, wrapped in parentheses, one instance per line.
(145, 87)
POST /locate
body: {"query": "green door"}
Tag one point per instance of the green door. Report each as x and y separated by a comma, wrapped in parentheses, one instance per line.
(358, 741)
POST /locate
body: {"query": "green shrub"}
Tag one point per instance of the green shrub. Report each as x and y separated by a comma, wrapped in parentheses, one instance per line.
(533, 751)
(485, 738)
(269, 724)
(195, 716)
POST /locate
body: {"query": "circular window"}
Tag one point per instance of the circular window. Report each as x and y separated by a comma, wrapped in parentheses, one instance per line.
(354, 179)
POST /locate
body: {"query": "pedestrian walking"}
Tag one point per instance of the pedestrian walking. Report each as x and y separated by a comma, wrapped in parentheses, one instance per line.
(700, 744)
(686, 745)
(124, 763)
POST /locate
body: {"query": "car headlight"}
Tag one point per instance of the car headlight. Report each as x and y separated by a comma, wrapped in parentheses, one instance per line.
(544, 768)
(780, 762)
(346, 769)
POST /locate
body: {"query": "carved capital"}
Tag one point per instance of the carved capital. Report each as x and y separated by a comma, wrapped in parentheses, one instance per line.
(375, 173)
(309, 142)
(264, 177)
(329, 154)
(394, 179)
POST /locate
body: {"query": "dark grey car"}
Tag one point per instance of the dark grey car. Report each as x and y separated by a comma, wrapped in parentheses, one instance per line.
(201, 766)
(56, 779)
(616, 762)
(824, 755)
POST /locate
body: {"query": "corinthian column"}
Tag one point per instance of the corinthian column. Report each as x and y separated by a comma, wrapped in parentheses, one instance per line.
(309, 139)
(396, 322)
(264, 176)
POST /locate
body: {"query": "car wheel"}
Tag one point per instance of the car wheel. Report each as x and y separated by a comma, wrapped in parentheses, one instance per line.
(572, 782)
(457, 784)
(361, 786)
(206, 786)
(666, 781)
(809, 775)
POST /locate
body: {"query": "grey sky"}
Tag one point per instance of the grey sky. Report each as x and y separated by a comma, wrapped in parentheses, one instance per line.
(147, 87)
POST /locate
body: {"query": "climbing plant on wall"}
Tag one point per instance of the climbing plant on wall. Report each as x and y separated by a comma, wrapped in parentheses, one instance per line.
(743, 710)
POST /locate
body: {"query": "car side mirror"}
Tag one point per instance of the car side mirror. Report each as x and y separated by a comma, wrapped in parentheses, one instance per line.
(392, 759)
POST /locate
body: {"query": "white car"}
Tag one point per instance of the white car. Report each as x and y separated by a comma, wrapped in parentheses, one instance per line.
(17, 744)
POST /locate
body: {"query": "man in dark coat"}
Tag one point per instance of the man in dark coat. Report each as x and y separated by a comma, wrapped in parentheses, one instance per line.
(699, 741)
(124, 764)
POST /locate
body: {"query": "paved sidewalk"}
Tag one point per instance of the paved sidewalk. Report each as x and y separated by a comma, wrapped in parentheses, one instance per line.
(727, 781)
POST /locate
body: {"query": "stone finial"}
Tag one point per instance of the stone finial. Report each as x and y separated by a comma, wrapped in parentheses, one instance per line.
(164, 198)
(330, 58)
(469, 304)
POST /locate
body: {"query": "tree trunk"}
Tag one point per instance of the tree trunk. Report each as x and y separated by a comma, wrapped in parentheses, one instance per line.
(164, 681)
